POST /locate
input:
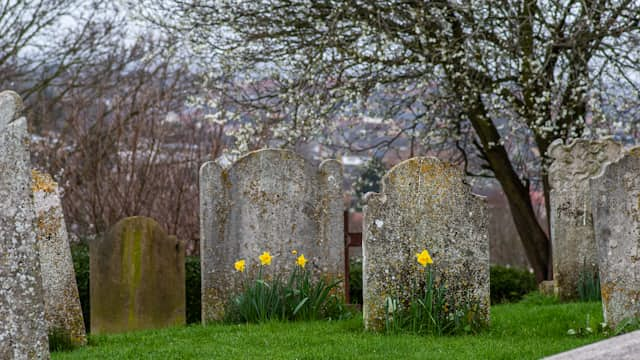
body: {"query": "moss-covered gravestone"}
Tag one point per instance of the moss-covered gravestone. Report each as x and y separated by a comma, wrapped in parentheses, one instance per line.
(268, 200)
(23, 330)
(424, 205)
(573, 241)
(615, 200)
(137, 278)
(61, 299)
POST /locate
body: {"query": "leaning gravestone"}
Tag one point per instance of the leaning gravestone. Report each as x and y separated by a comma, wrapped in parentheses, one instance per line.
(573, 241)
(268, 200)
(424, 204)
(61, 300)
(137, 278)
(23, 330)
(616, 212)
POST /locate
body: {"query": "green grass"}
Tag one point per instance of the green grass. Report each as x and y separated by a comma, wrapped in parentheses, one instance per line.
(526, 330)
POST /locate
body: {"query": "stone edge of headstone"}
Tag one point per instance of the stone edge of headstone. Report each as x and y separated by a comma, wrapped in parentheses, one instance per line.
(625, 346)
(630, 151)
(559, 144)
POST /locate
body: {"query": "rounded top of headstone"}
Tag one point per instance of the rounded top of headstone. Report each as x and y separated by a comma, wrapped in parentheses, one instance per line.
(10, 107)
(135, 224)
(558, 148)
(421, 166)
(268, 153)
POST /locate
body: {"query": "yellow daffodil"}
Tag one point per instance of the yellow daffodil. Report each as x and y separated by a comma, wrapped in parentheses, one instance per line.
(301, 261)
(424, 258)
(265, 258)
(294, 252)
(239, 265)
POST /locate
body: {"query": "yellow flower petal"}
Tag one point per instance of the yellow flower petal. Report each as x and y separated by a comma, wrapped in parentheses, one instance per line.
(239, 265)
(424, 258)
(265, 258)
(301, 261)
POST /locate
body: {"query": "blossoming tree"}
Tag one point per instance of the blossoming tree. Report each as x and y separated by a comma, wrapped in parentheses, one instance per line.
(502, 79)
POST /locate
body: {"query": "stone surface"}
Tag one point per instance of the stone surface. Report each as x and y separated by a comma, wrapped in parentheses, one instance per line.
(616, 212)
(623, 347)
(137, 278)
(572, 236)
(424, 204)
(61, 299)
(23, 330)
(268, 200)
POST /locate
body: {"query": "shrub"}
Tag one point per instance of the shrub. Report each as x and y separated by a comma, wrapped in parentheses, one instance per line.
(431, 310)
(355, 281)
(193, 289)
(510, 284)
(80, 255)
(298, 298)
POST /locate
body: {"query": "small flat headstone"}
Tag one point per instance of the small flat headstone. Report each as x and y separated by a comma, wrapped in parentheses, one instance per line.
(137, 278)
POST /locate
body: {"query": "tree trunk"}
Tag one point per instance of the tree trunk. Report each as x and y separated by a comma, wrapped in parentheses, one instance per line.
(535, 241)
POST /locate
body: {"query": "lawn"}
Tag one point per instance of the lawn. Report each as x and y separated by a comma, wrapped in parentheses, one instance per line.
(526, 330)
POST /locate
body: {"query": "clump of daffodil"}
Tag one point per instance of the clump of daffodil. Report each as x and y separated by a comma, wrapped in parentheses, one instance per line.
(301, 261)
(424, 258)
(239, 265)
(265, 258)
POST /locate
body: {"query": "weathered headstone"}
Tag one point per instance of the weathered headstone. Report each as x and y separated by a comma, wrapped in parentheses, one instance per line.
(623, 347)
(424, 204)
(572, 237)
(23, 330)
(268, 200)
(137, 278)
(61, 300)
(616, 213)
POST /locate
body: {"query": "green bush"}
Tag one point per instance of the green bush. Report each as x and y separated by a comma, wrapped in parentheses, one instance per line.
(355, 281)
(80, 255)
(193, 289)
(510, 284)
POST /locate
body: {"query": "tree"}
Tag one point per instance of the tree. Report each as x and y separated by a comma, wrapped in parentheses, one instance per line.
(515, 75)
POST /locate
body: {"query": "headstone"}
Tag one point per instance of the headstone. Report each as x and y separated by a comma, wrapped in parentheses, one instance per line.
(616, 212)
(572, 237)
(424, 204)
(137, 278)
(23, 330)
(623, 347)
(269, 200)
(61, 300)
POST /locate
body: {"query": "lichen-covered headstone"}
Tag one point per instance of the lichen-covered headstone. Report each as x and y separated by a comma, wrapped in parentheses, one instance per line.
(61, 299)
(137, 278)
(424, 204)
(616, 217)
(23, 330)
(573, 241)
(269, 200)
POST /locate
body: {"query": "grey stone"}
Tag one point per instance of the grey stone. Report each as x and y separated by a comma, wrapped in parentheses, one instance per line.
(268, 200)
(23, 330)
(616, 212)
(137, 278)
(572, 236)
(62, 302)
(623, 347)
(424, 204)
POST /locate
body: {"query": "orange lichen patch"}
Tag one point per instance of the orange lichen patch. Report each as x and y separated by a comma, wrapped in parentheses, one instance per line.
(42, 182)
